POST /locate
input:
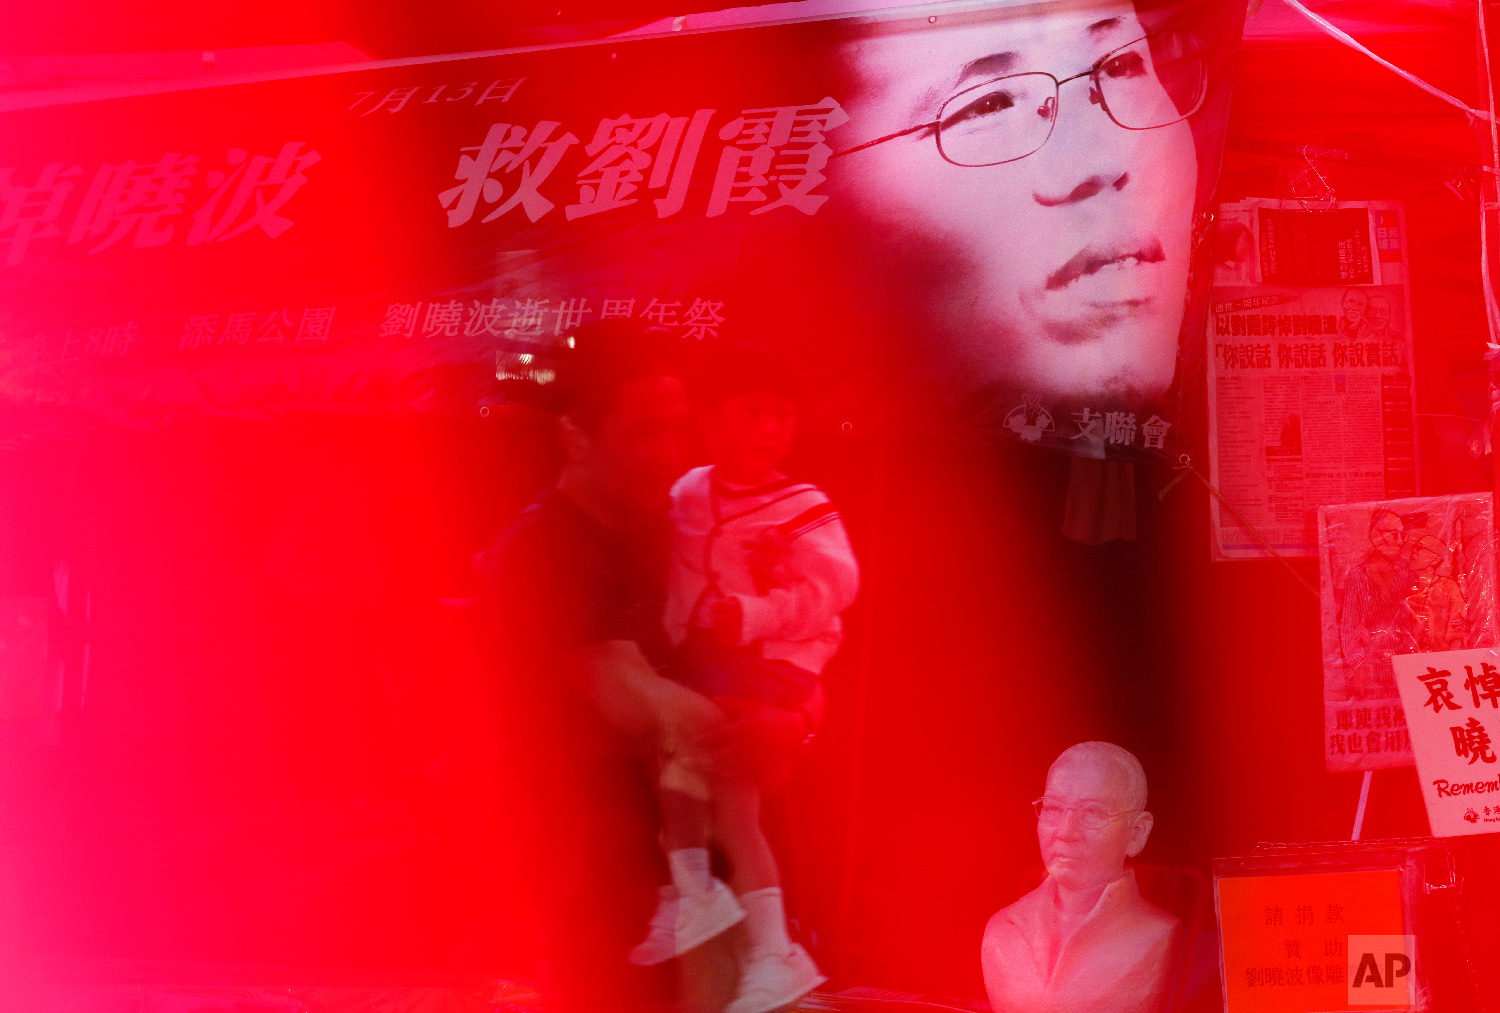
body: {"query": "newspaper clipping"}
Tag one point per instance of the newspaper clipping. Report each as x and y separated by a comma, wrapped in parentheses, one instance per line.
(1309, 369)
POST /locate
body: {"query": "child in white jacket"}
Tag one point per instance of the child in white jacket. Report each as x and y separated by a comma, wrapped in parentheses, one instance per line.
(760, 571)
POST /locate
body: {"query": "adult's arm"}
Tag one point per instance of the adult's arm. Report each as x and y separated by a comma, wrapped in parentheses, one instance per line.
(617, 680)
(758, 740)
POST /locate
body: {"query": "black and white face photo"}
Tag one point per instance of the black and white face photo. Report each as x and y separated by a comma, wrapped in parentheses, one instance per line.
(1039, 167)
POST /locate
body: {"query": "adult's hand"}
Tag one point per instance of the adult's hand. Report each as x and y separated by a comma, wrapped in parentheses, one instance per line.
(683, 716)
(751, 743)
(615, 677)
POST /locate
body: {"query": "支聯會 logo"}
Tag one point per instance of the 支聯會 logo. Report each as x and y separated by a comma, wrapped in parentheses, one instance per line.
(1029, 420)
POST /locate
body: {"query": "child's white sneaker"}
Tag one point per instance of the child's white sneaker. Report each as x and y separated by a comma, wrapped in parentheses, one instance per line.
(684, 921)
(769, 981)
(660, 944)
(701, 916)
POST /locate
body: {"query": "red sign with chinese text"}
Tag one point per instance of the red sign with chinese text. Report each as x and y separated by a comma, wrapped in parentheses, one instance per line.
(1286, 938)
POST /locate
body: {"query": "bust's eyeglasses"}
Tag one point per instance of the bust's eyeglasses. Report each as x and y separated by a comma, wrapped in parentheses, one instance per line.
(1092, 817)
(1155, 81)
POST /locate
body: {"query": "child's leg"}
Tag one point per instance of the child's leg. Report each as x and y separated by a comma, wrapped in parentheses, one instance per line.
(683, 794)
(685, 816)
(755, 877)
(736, 826)
(696, 907)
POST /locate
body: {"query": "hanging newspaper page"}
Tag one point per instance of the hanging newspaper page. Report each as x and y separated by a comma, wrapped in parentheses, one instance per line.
(1398, 577)
(1309, 368)
(1453, 700)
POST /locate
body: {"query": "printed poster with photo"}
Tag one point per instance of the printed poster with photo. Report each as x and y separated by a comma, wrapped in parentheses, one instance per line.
(997, 204)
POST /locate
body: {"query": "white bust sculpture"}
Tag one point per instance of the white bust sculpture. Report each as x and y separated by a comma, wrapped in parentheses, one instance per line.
(1085, 941)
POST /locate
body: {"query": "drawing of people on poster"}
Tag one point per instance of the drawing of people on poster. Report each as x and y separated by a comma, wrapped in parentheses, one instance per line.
(1405, 595)
(1398, 577)
(1436, 602)
(1373, 619)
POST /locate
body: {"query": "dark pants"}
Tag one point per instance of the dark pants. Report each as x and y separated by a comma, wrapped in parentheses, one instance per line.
(701, 663)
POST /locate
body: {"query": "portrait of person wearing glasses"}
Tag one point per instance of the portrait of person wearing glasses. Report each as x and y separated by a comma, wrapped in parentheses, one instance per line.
(1035, 174)
(1085, 939)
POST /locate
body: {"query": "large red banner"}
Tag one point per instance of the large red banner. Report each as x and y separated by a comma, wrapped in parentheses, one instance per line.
(1000, 207)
